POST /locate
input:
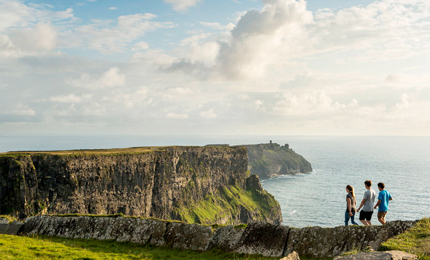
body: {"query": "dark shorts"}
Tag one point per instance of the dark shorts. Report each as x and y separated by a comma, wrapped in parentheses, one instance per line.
(365, 215)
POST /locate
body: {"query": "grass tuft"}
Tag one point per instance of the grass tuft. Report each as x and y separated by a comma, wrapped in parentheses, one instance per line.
(414, 241)
(8, 217)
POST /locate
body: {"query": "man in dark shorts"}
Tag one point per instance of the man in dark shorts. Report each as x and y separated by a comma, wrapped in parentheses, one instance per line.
(367, 204)
(383, 198)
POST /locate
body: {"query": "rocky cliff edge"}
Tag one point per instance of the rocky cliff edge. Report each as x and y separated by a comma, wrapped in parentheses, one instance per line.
(192, 184)
(272, 159)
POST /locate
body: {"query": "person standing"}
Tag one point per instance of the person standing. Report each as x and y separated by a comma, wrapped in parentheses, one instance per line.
(383, 198)
(350, 205)
(367, 204)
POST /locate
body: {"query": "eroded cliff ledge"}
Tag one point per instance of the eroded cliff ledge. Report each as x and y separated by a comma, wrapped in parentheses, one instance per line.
(193, 184)
(272, 159)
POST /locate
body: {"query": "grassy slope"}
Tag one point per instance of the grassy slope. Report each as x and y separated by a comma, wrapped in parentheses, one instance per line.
(415, 241)
(17, 247)
(227, 203)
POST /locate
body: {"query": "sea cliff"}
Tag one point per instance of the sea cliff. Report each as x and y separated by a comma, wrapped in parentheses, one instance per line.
(272, 159)
(193, 184)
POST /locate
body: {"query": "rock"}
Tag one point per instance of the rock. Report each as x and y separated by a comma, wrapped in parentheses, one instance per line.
(226, 238)
(4, 225)
(269, 160)
(388, 255)
(178, 183)
(188, 237)
(263, 239)
(253, 183)
(291, 256)
(10, 228)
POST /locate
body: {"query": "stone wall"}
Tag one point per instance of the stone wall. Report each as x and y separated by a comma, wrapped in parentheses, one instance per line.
(191, 184)
(256, 238)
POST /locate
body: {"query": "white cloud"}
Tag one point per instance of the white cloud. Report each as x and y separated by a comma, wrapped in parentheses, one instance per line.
(71, 98)
(42, 37)
(140, 46)
(7, 48)
(279, 70)
(254, 39)
(218, 26)
(284, 31)
(153, 58)
(24, 112)
(208, 114)
(15, 14)
(111, 78)
(177, 116)
(129, 100)
(113, 36)
(181, 5)
(112, 8)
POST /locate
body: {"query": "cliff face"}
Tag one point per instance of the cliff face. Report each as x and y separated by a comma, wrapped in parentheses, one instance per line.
(193, 184)
(269, 160)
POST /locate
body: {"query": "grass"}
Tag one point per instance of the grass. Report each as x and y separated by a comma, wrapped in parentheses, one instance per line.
(227, 202)
(415, 241)
(112, 151)
(134, 150)
(40, 247)
(8, 217)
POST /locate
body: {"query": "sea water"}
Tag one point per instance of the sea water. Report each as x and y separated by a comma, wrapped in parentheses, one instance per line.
(319, 198)
(312, 199)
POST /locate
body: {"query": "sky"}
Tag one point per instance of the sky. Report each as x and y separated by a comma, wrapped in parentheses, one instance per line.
(225, 67)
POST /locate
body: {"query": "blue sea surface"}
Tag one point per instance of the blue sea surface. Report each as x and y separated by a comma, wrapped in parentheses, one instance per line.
(312, 199)
(319, 198)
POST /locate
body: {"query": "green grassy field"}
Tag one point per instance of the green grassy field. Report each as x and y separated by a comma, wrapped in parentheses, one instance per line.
(415, 241)
(42, 247)
(39, 247)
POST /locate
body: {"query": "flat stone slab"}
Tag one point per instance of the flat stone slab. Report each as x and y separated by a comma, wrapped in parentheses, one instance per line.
(291, 256)
(10, 228)
(226, 238)
(263, 239)
(387, 255)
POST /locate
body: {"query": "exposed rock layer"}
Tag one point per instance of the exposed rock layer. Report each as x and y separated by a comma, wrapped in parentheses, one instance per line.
(192, 184)
(257, 238)
(269, 160)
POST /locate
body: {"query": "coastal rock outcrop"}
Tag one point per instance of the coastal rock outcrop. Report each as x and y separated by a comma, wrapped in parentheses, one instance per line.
(269, 160)
(192, 184)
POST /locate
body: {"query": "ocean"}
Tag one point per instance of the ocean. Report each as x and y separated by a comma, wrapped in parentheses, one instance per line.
(312, 199)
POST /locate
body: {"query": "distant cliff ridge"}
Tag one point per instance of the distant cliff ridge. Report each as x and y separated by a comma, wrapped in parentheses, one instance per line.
(193, 184)
(269, 160)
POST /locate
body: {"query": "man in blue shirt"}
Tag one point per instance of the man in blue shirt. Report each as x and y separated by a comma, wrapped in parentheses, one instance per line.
(383, 199)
